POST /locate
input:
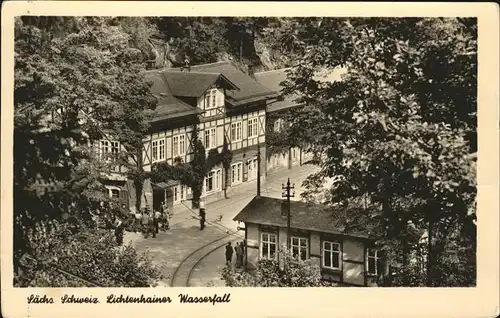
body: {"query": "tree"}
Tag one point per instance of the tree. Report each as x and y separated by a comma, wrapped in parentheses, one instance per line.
(200, 39)
(72, 88)
(401, 125)
(290, 271)
(226, 157)
(84, 258)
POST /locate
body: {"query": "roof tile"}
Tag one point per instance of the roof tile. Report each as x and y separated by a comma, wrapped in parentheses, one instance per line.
(308, 216)
(249, 87)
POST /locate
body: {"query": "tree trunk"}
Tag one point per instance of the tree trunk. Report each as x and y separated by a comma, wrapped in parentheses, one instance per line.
(430, 256)
(406, 263)
(138, 182)
(226, 178)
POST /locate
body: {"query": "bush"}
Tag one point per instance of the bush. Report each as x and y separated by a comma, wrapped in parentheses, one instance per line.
(292, 272)
(90, 254)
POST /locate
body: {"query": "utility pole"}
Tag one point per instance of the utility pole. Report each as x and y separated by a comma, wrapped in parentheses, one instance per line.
(258, 166)
(288, 195)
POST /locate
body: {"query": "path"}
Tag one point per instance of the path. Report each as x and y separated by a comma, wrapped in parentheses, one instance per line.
(185, 252)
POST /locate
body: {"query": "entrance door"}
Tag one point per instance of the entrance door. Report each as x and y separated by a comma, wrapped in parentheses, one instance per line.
(158, 198)
(179, 193)
(252, 168)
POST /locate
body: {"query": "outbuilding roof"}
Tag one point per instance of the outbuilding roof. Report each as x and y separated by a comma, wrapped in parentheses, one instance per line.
(309, 216)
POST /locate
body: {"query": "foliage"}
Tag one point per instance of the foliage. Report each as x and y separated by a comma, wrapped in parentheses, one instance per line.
(193, 173)
(141, 30)
(208, 39)
(76, 80)
(292, 272)
(226, 157)
(400, 125)
(87, 253)
(277, 142)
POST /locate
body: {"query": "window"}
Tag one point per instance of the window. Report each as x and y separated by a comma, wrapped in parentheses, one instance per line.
(115, 148)
(207, 101)
(182, 192)
(253, 127)
(211, 99)
(155, 150)
(331, 255)
(158, 150)
(373, 262)
(115, 193)
(299, 247)
(210, 138)
(161, 149)
(236, 131)
(182, 145)
(268, 244)
(176, 194)
(109, 147)
(252, 168)
(278, 124)
(218, 179)
(236, 172)
(178, 145)
(213, 180)
(104, 148)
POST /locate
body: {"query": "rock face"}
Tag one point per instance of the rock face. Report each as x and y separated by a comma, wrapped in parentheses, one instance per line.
(165, 55)
(264, 56)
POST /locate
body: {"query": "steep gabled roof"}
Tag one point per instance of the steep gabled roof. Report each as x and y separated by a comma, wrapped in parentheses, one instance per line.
(353, 222)
(250, 89)
(168, 106)
(272, 80)
(194, 84)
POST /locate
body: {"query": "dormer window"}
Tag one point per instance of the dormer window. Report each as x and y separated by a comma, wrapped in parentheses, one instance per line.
(214, 96)
(211, 99)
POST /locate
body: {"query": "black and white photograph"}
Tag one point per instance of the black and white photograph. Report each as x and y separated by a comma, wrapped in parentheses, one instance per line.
(245, 152)
(226, 151)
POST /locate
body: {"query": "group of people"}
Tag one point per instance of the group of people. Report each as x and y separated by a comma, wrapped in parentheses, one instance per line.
(239, 250)
(150, 222)
(110, 216)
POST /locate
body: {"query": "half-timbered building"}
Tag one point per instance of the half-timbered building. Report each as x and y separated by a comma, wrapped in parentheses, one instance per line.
(224, 103)
(275, 115)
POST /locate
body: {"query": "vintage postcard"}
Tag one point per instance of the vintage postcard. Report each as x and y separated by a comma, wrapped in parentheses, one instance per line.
(224, 159)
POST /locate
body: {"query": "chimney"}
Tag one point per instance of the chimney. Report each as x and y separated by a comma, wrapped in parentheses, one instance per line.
(186, 66)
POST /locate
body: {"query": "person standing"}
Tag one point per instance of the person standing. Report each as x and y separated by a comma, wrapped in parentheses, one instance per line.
(229, 254)
(166, 223)
(202, 219)
(137, 222)
(164, 207)
(157, 219)
(244, 249)
(151, 226)
(119, 228)
(145, 223)
(239, 255)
